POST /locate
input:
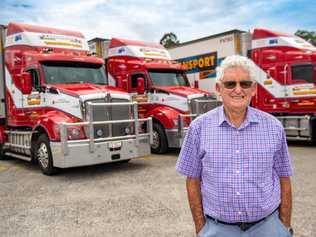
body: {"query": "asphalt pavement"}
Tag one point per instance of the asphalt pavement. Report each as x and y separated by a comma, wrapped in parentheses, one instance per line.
(142, 198)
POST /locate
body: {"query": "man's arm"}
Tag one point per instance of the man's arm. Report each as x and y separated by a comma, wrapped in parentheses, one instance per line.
(285, 209)
(195, 201)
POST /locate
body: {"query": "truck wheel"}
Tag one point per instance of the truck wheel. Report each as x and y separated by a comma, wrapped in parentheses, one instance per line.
(160, 144)
(44, 156)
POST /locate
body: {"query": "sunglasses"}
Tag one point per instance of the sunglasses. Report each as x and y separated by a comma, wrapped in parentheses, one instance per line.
(233, 84)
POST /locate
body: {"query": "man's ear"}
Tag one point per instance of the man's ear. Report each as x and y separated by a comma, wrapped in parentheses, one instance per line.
(218, 88)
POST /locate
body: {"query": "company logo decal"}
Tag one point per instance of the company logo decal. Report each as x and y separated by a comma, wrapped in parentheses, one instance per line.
(304, 91)
(273, 41)
(200, 63)
(18, 37)
(121, 50)
(34, 99)
(63, 40)
(148, 52)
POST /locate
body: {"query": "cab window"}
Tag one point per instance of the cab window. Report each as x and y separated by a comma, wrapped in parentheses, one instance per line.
(35, 79)
(303, 73)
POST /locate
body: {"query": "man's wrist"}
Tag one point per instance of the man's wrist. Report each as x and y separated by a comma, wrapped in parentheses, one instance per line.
(199, 227)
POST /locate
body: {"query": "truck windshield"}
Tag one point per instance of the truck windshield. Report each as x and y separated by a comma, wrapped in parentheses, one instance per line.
(168, 78)
(70, 73)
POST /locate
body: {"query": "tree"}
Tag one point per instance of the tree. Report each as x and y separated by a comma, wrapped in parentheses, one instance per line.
(169, 39)
(309, 36)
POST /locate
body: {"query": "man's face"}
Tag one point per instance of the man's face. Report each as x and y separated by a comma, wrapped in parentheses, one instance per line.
(236, 89)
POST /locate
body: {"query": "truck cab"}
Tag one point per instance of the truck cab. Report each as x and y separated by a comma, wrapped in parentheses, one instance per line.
(160, 86)
(57, 108)
(287, 69)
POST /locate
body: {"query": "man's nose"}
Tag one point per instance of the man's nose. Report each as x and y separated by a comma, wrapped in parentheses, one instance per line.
(238, 88)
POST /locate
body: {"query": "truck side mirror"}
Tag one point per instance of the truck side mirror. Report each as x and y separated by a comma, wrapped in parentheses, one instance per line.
(140, 85)
(196, 84)
(26, 83)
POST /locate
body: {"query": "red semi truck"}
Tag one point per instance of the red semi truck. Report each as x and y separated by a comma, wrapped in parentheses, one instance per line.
(159, 84)
(286, 73)
(56, 107)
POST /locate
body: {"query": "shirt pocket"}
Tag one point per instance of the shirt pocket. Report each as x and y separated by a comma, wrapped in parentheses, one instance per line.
(258, 165)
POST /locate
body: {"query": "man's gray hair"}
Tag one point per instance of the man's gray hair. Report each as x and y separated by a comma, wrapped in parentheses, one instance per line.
(236, 61)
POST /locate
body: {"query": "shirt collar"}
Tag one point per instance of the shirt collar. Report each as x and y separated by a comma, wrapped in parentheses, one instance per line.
(250, 117)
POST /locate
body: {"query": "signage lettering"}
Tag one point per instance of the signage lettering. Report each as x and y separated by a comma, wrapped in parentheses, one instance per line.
(200, 62)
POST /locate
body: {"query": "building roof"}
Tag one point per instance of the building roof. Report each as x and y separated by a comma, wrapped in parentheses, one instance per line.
(208, 37)
(97, 39)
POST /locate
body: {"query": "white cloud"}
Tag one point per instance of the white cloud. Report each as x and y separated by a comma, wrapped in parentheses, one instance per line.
(149, 20)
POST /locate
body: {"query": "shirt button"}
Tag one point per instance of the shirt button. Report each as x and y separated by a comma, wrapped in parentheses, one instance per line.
(237, 171)
(238, 193)
(239, 213)
(237, 151)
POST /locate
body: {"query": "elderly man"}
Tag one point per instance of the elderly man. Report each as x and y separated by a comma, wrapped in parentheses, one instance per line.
(237, 163)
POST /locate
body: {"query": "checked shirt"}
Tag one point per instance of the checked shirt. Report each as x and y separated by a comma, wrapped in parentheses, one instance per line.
(239, 168)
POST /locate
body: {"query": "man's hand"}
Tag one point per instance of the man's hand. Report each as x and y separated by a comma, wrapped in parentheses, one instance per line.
(195, 201)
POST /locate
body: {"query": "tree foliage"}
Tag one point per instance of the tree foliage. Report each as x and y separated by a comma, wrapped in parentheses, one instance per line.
(169, 40)
(309, 36)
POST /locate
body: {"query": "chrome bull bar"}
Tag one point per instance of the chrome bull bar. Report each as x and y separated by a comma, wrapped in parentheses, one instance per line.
(91, 140)
(181, 128)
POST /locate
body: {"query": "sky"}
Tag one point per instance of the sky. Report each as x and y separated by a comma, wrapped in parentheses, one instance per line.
(148, 20)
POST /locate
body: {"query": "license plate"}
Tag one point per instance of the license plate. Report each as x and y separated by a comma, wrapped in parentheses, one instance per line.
(115, 145)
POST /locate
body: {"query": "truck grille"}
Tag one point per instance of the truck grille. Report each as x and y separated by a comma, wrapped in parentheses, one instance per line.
(203, 104)
(107, 113)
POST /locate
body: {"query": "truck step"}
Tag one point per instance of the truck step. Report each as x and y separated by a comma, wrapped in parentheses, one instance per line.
(289, 138)
(295, 129)
(19, 156)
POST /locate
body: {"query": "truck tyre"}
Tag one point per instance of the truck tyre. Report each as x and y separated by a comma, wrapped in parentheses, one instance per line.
(160, 143)
(44, 156)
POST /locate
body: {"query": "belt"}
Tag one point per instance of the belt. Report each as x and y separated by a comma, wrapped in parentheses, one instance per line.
(242, 225)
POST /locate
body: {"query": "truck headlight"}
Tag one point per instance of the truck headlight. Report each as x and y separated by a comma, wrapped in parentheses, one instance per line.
(75, 133)
(127, 130)
(100, 132)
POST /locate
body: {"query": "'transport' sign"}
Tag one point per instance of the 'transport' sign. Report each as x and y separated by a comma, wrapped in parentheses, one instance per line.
(198, 63)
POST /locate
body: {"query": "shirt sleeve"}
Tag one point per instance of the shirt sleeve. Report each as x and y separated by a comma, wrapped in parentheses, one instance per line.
(282, 162)
(189, 161)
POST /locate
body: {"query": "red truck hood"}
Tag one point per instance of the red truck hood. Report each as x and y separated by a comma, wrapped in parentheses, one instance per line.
(181, 90)
(86, 88)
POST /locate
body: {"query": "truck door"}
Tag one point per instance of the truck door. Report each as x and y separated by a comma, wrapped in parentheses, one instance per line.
(33, 101)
